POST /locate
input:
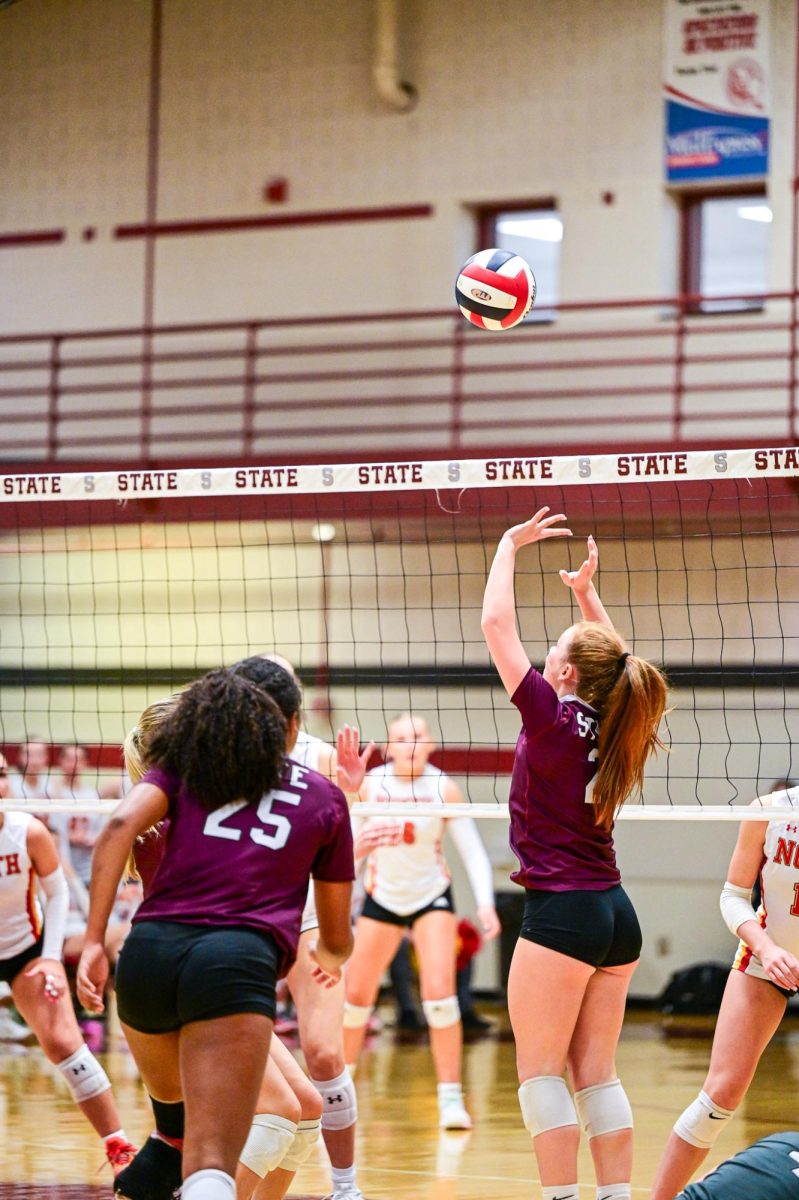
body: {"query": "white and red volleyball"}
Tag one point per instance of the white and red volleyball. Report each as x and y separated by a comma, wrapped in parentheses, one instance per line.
(495, 289)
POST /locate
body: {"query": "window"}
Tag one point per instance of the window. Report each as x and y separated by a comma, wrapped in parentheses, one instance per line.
(535, 231)
(725, 250)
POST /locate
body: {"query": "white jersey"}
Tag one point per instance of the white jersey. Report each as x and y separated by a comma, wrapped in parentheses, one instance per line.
(412, 873)
(20, 912)
(308, 751)
(778, 912)
(21, 789)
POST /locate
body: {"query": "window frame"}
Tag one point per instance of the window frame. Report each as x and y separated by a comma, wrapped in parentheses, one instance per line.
(690, 268)
(487, 213)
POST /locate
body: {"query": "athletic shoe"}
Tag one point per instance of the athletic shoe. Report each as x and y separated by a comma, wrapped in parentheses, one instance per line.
(345, 1193)
(11, 1030)
(120, 1153)
(452, 1115)
(154, 1174)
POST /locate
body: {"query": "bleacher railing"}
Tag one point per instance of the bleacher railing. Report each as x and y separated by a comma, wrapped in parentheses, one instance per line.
(601, 373)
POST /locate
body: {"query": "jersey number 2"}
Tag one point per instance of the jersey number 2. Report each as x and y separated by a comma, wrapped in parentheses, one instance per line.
(280, 825)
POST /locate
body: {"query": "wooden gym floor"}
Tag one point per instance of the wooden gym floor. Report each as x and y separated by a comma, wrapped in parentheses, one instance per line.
(48, 1152)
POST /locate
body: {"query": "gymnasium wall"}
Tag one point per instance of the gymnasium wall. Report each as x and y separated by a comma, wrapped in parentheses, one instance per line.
(531, 99)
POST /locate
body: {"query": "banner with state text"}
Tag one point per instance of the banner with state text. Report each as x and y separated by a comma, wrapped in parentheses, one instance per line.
(716, 89)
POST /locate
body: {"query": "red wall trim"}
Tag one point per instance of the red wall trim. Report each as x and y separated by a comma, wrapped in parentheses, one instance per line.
(38, 237)
(456, 760)
(402, 212)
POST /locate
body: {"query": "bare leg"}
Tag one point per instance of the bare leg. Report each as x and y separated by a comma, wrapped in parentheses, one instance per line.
(276, 1096)
(57, 1032)
(592, 1060)
(750, 1012)
(434, 937)
(222, 1065)
(375, 945)
(320, 1016)
(545, 992)
(205, 1063)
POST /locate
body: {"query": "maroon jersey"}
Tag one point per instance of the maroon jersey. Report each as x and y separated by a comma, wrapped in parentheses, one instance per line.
(552, 829)
(249, 864)
(148, 850)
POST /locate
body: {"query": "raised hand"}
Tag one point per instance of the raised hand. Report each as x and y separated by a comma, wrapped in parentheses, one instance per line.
(580, 579)
(539, 527)
(350, 764)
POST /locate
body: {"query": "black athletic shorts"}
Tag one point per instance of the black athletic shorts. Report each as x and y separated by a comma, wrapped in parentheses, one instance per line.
(599, 928)
(170, 974)
(11, 967)
(376, 912)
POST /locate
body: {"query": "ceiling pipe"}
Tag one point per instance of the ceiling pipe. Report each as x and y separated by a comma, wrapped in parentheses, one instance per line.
(396, 92)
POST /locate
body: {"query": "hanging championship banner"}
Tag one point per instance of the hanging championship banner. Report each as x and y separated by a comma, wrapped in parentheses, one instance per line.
(716, 89)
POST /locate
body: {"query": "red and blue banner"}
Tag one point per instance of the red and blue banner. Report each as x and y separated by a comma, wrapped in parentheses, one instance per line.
(716, 90)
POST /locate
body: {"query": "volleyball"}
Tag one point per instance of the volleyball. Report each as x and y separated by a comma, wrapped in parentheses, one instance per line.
(495, 289)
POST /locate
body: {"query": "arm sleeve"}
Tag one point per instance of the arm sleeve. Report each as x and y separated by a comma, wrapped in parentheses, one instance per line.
(736, 907)
(470, 846)
(537, 703)
(56, 906)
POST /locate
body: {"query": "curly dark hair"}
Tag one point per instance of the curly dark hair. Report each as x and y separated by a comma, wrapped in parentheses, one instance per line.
(225, 738)
(273, 679)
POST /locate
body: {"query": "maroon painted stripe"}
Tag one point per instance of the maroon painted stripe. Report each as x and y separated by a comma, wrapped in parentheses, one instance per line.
(455, 760)
(40, 237)
(239, 224)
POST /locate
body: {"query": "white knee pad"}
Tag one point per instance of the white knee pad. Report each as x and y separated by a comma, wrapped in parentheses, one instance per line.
(603, 1108)
(340, 1104)
(299, 1151)
(269, 1140)
(702, 1122)
(84, 1075)
(546, 1104)
(440, 1014)
(356, 1015)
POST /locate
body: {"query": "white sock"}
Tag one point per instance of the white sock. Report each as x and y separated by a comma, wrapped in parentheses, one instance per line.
(342, 1177)
(117, 1133)
(209, 1185)
(566, 1191)
(449, 1091)
(613, 1191)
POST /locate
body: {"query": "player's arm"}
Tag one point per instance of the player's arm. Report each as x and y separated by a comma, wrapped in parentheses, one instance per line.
(499, 604)
(475, 859)
(581, 583)
(739, 915)
(46, 863)
(145, 805)
(334, 943)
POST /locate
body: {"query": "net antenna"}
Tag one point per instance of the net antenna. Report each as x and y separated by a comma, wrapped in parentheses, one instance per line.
(119, 586)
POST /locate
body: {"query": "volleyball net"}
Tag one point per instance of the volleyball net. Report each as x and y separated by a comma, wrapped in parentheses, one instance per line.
(116, 587)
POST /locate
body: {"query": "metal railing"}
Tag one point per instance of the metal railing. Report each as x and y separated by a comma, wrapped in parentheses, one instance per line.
(642, 371)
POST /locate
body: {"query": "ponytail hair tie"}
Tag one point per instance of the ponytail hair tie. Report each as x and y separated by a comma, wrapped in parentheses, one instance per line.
(623, 659)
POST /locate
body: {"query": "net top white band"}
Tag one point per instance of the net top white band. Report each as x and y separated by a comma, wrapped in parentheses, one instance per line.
(496, 812)
(409, 475)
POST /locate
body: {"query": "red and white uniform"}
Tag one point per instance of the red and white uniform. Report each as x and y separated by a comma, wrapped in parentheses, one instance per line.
(307, 751)
(779, 885)
(20, 912)
(411, 874)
